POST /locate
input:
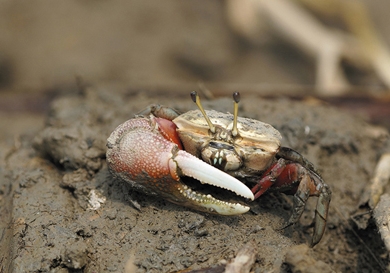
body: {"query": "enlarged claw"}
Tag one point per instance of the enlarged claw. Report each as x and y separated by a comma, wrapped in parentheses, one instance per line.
(139, 153)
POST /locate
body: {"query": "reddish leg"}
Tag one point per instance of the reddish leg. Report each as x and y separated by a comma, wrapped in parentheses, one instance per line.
(269, 178)
(292, 177)
(311, 184)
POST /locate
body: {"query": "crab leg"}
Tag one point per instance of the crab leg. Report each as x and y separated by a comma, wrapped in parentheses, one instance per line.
(283, 175)
(269, 178)
(321, 213)
(311, 186)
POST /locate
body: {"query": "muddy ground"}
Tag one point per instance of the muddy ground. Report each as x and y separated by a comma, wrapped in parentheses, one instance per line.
(66, 213)
(70, 72)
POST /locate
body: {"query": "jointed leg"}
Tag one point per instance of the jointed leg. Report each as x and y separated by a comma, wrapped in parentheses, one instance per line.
(269, 178)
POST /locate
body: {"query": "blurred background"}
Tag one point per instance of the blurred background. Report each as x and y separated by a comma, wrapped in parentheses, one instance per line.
(336, 51)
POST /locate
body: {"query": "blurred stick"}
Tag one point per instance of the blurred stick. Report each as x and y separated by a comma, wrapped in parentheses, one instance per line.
(382, 219)
(380, 180)
(361, 46)
(357, 20)
(300, 28)
(244, 260)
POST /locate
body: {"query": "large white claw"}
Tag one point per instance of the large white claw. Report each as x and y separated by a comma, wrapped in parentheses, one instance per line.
(191, 166)
(205, 173)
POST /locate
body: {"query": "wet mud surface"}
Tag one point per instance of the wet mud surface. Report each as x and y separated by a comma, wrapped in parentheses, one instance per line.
(62, 211)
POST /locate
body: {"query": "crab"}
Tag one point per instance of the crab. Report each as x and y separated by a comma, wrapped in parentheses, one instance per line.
(165, 153)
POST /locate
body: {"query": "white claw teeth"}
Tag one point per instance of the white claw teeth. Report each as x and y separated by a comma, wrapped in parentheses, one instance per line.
(212, 204)
(196, 168)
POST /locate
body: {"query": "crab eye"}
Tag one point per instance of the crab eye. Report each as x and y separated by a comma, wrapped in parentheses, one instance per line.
(236, 99)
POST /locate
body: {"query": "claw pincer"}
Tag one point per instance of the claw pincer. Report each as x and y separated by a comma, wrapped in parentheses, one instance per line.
(143, 154)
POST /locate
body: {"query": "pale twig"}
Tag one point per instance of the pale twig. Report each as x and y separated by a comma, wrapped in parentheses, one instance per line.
(380, 179)
(382, 219)
(374, 52)
(303, 30)
(244, 260)
(361, 45)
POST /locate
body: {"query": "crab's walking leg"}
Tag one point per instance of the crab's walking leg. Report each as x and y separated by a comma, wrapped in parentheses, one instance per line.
(321, 213)
(283, 175)
(300, 199)
(269, 178)
(310, 185)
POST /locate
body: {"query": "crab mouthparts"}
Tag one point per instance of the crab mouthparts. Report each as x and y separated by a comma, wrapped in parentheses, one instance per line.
(190, 166)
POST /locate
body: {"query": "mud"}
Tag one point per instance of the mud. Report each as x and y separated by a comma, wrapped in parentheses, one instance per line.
(62, 211)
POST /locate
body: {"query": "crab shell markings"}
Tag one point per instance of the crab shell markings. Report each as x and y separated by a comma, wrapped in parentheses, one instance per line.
(255, 146)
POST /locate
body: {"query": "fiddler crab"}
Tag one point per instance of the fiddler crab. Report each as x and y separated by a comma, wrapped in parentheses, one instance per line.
(165, 153)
